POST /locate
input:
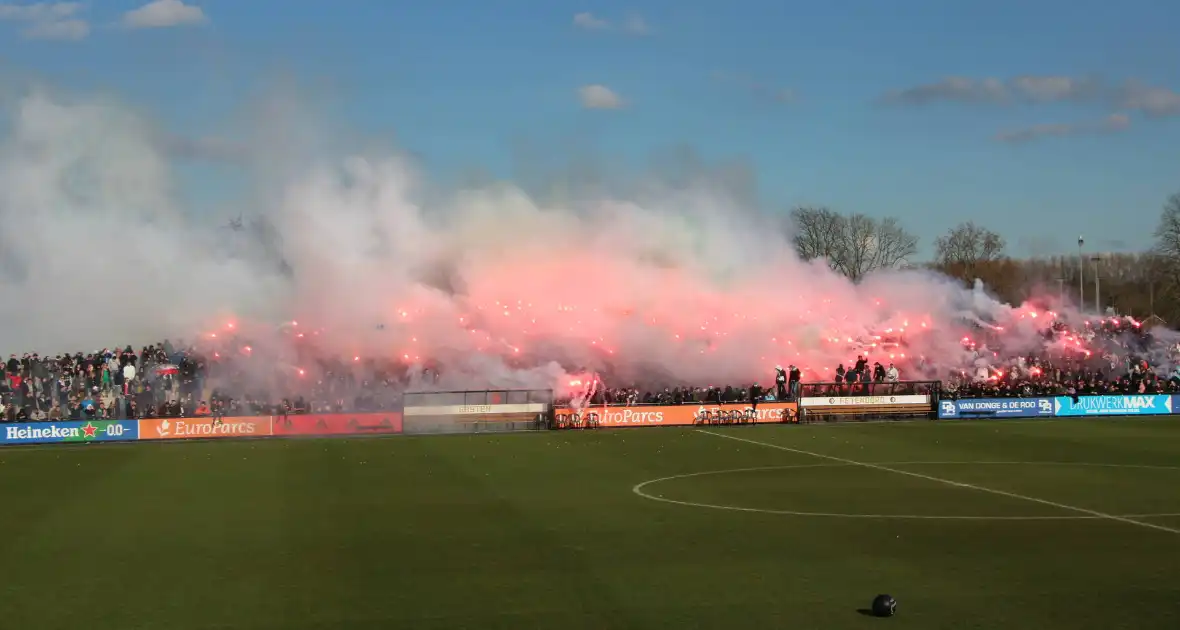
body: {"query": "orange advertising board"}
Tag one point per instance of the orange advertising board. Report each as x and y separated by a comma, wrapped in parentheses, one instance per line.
(204, 428)
(667, 415)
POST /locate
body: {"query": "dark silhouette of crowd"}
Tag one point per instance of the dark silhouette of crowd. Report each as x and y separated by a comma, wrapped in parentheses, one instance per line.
(176, 380)
(222, 376)
(157, 380)
(1046, 378)
(1112, 356)
(683, 395)
(1109, 357)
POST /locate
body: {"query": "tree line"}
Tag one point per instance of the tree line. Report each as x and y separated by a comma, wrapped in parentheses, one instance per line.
(1145, 285)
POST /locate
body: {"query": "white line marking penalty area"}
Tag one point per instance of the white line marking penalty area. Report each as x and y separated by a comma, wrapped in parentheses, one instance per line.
(948, 482)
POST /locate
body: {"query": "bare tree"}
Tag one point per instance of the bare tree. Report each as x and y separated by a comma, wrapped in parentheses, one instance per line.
(968, 244)
(858, 246)
(1166, 260)
(1167, 234)
(891, 247)
(970, 252)
(817, 232)
(1131, 282)
(853, 245)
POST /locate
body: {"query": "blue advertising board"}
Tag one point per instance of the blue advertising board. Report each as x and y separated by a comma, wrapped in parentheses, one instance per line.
(996, 408)
(70, 431)
(1136, 405)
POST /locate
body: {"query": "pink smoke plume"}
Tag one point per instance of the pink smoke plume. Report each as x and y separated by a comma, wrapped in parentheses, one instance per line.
(489, 285)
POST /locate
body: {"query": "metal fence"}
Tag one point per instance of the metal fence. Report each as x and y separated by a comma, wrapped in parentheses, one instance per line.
(479, 397)
(902, 388)
(479, 411)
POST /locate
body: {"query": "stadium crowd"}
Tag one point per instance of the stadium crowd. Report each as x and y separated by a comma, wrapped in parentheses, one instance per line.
(167, 380)
(223, 378)
(1044, 379)
(1110, 357)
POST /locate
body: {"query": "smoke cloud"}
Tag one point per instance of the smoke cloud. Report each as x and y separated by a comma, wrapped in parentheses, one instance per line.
(489, 286)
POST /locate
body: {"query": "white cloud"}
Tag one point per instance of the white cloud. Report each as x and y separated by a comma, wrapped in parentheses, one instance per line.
(1110, 124)
(1026, 88)
(633, 24)
(959, 89)
(48, 20)
(1154, 101)
(164, 14)
(66, 30)
(599, 97)
(1130, 95)
(1053, 89)
(589, 22)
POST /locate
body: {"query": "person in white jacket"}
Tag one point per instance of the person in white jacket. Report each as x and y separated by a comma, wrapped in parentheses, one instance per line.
(891, 374)
(128, 377)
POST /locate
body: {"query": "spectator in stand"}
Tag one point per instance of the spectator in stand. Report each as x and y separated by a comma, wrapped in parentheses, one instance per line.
(128, 372)
(794, 378)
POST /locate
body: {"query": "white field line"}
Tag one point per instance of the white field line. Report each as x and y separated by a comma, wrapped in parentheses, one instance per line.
(956, 484)
(640, 489)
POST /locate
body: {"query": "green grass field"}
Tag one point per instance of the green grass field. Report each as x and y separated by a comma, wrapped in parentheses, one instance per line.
(1079, 529)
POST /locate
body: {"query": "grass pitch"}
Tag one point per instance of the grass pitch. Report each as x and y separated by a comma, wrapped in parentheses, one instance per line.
(990, 524)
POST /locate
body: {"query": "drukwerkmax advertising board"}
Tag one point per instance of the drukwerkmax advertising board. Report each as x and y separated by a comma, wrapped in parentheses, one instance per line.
(1133, 405)
(69, 432)
(1060, 406)
(995, 408)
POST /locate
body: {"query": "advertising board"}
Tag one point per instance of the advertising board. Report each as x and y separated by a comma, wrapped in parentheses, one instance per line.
(70, 431)
(337, 424)
(1134, 405)
(864, 401)
(204, 428)
(996, 408)
(664, 415)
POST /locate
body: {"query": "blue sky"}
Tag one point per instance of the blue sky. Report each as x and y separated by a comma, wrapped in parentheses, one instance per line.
(1062, 117)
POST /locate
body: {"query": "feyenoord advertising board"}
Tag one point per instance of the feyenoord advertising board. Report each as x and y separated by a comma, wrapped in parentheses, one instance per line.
(865, 401)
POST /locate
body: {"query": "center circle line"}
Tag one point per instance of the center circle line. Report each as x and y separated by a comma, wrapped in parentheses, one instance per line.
(638, 490)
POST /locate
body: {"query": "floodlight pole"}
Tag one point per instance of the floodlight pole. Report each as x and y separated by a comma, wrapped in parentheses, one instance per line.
(1097, 287)
(1081, 274)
